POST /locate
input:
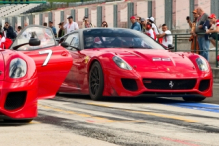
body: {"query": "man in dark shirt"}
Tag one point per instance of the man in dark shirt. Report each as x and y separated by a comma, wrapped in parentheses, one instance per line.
(9, 31)
(53, 28)
(203, 41)
(61, 30)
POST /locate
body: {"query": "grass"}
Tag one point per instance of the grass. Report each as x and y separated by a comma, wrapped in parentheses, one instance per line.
(71, 1)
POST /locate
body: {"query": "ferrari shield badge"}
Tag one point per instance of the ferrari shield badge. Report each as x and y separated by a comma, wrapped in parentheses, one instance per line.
(171, 84)
(86, 59)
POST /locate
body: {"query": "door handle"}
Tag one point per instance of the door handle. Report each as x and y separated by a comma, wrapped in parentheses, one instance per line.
(64, 53)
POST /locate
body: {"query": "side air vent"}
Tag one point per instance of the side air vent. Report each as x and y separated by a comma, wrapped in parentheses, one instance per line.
(129, 84)
(15, 100)
(204, 85)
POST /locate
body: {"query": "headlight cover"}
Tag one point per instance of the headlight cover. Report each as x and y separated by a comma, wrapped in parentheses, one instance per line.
(18, 68)
(202, 64)
(121, 63)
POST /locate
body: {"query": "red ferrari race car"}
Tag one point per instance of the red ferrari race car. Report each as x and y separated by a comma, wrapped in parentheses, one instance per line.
(33, 68)
(124, 62)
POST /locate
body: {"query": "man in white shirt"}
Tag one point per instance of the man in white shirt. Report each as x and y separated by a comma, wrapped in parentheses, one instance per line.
(165, 34)
(154, 27)
(71, 25)
(149, 31)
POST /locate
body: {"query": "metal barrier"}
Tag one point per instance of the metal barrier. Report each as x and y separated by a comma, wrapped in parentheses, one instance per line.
(176, 37)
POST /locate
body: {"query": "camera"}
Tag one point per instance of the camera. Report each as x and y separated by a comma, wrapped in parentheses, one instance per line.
(187, 18)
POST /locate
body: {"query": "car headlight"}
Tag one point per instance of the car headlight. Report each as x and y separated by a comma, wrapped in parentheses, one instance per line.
(18, 68)
(202, 64)
(121, 63)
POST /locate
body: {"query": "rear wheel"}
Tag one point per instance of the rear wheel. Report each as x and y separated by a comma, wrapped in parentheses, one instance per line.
(96, 81)
(194, 99)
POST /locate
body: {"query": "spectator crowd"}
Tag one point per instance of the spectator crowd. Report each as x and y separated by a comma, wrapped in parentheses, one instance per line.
(149, 27)
(204, 30)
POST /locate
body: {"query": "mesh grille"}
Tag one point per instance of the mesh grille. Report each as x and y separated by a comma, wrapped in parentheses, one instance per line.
(204, 85)
(15, 100)
(168, 84)
(129, 84)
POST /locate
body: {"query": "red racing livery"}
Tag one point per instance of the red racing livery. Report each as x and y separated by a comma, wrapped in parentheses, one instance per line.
(124, 62)
(33, 68)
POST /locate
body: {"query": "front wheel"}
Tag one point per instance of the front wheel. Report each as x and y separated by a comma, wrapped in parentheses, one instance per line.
(194, 99)
(96, 81)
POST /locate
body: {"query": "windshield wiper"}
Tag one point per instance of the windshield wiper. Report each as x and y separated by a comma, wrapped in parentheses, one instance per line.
(138, 47)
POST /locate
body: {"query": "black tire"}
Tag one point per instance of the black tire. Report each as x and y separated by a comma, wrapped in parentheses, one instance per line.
(18, 121)
(96, 81)
(194, 99)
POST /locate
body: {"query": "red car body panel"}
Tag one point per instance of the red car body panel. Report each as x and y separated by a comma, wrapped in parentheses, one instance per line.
(28, 83)
(42, 79)
(181, 66)
(53, 74)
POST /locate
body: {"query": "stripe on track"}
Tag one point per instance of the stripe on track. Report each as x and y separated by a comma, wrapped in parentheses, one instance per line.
(196, 106)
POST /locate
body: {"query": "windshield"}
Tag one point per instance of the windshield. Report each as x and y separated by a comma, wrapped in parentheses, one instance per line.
(118, 38)
(44, 34)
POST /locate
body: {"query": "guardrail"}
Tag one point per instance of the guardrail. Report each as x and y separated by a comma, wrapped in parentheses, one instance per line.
(176, 37)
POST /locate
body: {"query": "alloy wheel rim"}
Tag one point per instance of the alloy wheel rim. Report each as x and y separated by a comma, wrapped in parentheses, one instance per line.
(94, 80)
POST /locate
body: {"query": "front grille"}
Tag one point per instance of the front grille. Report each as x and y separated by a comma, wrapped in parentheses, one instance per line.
(204, 85)
(15, 100)
(129, 84)
(168, 84)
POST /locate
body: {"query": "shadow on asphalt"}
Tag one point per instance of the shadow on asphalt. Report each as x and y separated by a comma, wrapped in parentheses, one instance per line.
(9, 124)
(125, 99)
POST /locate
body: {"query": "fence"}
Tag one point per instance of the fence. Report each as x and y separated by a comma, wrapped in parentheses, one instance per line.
(212, 53)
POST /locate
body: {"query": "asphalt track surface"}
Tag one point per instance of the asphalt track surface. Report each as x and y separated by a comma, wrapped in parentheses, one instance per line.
(78, 121)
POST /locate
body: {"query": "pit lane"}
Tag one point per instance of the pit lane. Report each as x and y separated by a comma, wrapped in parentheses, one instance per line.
(77, 120)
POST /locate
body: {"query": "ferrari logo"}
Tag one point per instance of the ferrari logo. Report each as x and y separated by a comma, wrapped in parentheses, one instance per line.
(86, 59)
(171, 84)
(168, 69)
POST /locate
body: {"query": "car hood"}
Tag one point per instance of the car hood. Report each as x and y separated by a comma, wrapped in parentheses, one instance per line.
(148, 60)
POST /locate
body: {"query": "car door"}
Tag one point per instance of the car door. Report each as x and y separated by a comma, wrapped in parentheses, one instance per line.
(53, 61)
(71, 83)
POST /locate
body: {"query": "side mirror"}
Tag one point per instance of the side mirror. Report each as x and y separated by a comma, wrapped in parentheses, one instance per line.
(34, 42)
(170, 47)
(60, 40)
(57, 39)
(65, 44)
(75, 48)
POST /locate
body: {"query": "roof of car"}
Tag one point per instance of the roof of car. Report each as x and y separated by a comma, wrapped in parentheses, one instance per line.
(99, 28)
(80, 30)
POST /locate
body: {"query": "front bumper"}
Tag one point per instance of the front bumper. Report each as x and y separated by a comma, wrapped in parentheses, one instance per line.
(11, 95)
(113, 86)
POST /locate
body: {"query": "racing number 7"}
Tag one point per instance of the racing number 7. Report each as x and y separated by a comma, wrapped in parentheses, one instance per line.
(49, 52)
